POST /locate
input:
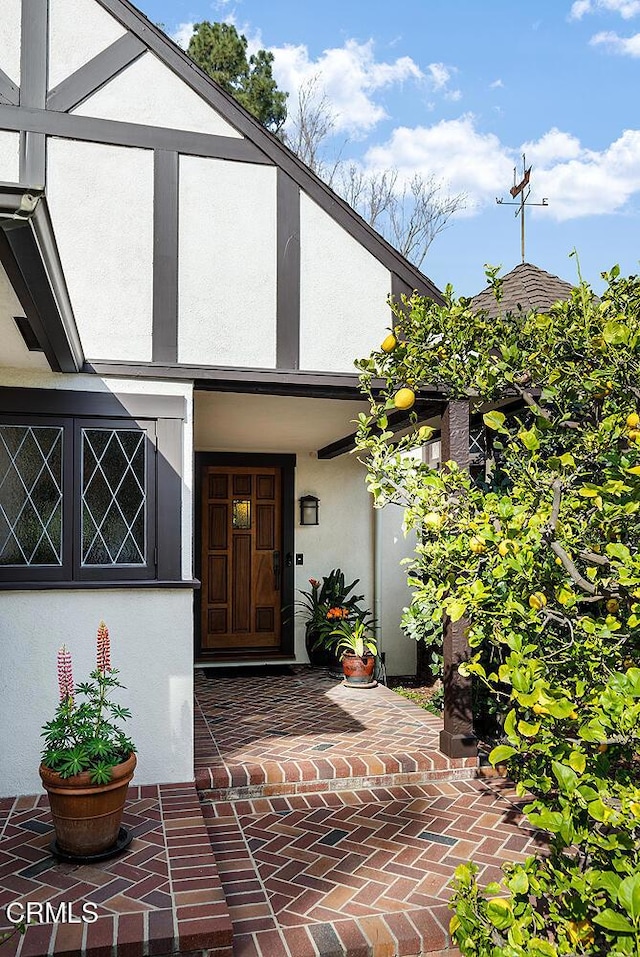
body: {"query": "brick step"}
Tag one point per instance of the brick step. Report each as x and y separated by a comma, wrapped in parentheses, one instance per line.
(360, 873)
(231, 782)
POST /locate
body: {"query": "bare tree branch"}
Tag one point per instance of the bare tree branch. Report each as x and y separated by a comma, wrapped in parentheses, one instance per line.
(571, 569)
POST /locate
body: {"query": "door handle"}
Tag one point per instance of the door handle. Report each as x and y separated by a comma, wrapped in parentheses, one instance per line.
(276, 571)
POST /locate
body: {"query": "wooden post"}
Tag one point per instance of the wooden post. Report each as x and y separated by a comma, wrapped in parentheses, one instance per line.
(457, 739)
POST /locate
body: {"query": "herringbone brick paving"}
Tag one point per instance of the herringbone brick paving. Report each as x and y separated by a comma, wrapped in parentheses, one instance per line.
(162, 896)
(360, 872)
(309, 862)
(306, 732)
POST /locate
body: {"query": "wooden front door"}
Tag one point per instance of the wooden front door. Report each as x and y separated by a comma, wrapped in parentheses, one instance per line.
(242, 561)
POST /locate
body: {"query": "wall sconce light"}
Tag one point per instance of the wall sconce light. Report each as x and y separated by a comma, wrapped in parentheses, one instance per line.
(309, 510)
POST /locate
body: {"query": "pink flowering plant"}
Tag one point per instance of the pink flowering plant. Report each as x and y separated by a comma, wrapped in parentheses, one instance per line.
(84, 735)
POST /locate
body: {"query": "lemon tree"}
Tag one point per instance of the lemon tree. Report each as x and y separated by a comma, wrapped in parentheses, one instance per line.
(542, 561)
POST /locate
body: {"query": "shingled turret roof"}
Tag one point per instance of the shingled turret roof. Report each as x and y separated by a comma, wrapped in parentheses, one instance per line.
(526, 287)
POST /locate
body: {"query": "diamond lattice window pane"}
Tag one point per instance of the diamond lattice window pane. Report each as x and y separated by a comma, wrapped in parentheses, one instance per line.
(113, 497)
(30, 495)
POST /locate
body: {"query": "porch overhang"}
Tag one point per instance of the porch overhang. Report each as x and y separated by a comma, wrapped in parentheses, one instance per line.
(29, 256)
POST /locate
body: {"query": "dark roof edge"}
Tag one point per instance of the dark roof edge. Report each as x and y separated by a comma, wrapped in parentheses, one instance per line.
(34, 261)
(181, 64)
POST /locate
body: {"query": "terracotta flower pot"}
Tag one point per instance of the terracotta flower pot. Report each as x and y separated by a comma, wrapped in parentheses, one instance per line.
(87, 816)
(358, 670)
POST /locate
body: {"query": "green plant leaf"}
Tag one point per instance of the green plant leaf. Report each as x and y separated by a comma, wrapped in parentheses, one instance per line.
(501, 753)
(612, 921)
(495, 421)
(629, 896)
(500, 912)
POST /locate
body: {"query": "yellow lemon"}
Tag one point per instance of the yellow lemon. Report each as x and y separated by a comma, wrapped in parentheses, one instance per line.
(389, 343)
(603, 748)
(634, 434)
(503, 548)
(537, 601)
(433, 521)
(633, 420)
(558, 561)
(573, 715)
(404, 398)
(612, 606)
(477, 545)
(539, 709)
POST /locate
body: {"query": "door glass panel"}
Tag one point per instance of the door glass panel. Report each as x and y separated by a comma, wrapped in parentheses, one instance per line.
(241, 513)
(30, 495)
(113, 497)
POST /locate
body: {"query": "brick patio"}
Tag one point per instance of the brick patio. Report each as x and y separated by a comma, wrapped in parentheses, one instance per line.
(326, 824)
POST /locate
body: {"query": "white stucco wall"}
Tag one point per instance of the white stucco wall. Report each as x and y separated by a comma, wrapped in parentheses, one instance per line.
(343, 294)
(78, 31)
(344, 537)
(395, 594)
(9, 156)
(227, 249)
(13, 351)
(148, 92)
(101, 202)
(151, 642)
(10, 18)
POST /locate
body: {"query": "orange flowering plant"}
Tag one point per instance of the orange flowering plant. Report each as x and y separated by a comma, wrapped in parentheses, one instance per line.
(328, 602)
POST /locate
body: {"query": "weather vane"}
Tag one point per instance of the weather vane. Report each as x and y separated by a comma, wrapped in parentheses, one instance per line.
(523, 190)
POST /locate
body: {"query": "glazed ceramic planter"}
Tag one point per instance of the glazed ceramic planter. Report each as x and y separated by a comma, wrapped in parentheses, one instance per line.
(87, 816)
(358, 670)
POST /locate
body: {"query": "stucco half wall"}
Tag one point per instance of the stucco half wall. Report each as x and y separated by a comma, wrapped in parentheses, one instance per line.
(151, 645)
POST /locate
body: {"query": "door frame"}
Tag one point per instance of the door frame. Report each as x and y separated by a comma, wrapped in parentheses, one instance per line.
(287, 463)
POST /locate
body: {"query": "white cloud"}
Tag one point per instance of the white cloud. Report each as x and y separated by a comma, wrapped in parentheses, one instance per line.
(626, 8)
(453, 151)
(496, 85)
(439, 75)
(577, 181)
(349, 76)
(623, 46)
(182, 34)
(552, 147)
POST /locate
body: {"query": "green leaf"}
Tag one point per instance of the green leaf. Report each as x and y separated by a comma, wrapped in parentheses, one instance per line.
(519, 883)
(527, 729)
(494, 420)
(615, 333)
(619, 551)
(529, 439)
(599, 811)
(541, 948)
(629, 895)
(565, 776)
(612, 921)
(499, 912)
(501, 754)
(455, 610)
(567, 459)
(577, 761)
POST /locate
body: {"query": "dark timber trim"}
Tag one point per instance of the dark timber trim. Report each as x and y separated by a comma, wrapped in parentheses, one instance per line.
(9, 92)
(178, 61)
(322, 385)
(397, 421)
(94, 74)
(457, 739)
(68, 402)
(288, 273)
(287, 463)
(29, 254)
(34, 56)
(165, 257)
(93, 130)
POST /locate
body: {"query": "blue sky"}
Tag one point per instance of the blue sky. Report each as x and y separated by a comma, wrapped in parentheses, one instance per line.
(459, 89)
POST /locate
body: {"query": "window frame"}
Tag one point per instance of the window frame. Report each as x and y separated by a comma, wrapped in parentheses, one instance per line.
(130, 572)
(162, 417)
(62, 572)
